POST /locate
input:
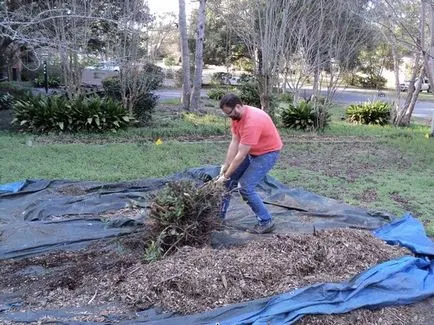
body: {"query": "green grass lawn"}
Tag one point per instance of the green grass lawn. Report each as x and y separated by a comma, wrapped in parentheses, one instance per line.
(382, 168)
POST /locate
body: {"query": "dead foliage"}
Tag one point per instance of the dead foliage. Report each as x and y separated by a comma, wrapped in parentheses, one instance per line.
(183, 214)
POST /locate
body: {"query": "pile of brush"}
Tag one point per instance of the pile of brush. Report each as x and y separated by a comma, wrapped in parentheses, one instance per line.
(183, 214)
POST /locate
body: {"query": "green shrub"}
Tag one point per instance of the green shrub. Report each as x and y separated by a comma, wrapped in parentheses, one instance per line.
(247, 78)
(57, 113)
(54, 70)
(286, 97)
(307, 116)
(220, 78)
(144, 105)
(14, 90)
(153, 75)
(144, 108)
(112, 88)
(52, 82)
(369, 113)
(217, 93)
(179, 75)
(371, 81)
(169, 61)
(249, 94)
(6, 101)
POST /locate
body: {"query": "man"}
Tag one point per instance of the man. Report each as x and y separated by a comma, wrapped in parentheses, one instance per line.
(253, 151)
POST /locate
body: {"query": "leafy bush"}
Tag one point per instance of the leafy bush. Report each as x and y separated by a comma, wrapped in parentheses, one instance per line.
(6, 101)
(153, 76)
(220, 78)
(249, 94)
(169, 61)
(143, 107)
(14, 90)
(54, 70)
(372, 81)
(247, 78)
(369, 113)
(183, 214)
(57, 113)
(112, 88)
(286, 97)
(179, 75)
(52, 82)
(307, 116)
(217, 93)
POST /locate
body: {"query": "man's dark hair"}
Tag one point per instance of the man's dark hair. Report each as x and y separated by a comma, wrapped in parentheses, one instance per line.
(230, 100)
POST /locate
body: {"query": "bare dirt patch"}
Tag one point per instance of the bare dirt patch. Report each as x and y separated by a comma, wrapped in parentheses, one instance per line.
(194, 280)
(367, 196)
(348, 160)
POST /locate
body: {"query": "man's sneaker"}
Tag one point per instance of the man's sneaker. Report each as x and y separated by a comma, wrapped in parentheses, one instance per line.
(263, 228)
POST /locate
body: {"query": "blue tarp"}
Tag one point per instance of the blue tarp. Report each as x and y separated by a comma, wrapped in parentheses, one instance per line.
(407, 232)
(401, 281)
(12, 187)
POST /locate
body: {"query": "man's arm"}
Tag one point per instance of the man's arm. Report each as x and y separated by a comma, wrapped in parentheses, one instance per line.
(243, 151)
(232, 152)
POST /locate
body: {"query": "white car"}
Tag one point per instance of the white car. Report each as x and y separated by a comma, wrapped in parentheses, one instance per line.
(424, 86)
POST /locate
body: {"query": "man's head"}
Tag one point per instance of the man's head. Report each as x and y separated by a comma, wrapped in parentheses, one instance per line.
(232, 106)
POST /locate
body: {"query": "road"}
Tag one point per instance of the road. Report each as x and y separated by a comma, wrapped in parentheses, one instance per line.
(423, 109)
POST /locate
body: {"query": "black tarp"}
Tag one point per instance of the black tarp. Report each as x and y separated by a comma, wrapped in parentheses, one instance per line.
(52, 214)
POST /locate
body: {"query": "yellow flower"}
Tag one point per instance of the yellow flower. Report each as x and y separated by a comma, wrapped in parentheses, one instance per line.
(427, 135)
(159, 141)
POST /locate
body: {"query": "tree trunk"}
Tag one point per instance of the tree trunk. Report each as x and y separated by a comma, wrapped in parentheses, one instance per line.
(185, 56)
(318, 66)
(263, 81)
(428, 57)
(197, 82)
(264, 92)
(403, 116)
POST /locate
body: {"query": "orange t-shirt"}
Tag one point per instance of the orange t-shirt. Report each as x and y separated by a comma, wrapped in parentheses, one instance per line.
(256, 129)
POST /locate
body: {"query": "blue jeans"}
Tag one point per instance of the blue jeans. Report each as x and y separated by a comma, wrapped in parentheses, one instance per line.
(251, 171)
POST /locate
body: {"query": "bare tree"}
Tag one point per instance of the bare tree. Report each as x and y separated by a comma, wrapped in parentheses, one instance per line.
(186, 90)
(404, 24)
(262, 26)
(64, 27)
(197, 81)
(163, 28)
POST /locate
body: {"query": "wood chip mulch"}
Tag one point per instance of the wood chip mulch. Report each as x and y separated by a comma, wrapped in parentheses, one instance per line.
(194, 280)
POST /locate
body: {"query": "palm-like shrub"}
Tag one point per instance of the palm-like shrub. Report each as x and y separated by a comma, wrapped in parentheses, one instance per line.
(369, 113)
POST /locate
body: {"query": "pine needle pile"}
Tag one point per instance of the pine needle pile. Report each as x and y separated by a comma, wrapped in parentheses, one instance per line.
(183, 214)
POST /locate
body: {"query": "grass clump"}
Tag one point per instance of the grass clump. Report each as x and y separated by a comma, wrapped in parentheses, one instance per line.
(183, 214)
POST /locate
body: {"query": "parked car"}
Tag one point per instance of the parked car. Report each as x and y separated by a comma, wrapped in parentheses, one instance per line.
(424, 86)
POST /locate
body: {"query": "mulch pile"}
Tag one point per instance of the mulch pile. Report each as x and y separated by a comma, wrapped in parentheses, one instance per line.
(194, 280)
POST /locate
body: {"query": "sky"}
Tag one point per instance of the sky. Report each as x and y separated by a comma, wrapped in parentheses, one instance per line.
(161, 6)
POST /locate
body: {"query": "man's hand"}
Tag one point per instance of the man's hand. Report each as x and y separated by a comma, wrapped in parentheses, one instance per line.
(221, 180)
(223, 168)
